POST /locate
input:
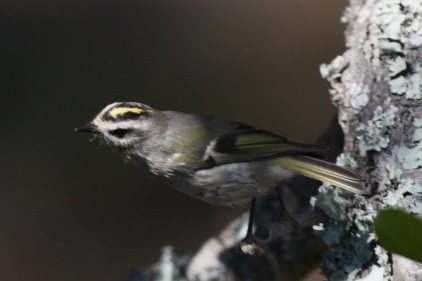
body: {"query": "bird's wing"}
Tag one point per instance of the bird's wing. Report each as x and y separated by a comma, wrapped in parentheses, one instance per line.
(244, 143)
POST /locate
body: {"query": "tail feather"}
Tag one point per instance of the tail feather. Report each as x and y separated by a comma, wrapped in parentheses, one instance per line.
(346, 178)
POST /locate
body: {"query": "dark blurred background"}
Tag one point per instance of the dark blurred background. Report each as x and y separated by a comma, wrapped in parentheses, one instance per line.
(72, 210)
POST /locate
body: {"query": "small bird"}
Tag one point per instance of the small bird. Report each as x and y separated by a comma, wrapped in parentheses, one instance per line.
(216, 160)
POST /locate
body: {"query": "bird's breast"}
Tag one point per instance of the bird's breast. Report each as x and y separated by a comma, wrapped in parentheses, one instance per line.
(231, 184)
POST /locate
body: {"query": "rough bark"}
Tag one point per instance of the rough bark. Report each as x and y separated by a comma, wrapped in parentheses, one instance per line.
(376, 85)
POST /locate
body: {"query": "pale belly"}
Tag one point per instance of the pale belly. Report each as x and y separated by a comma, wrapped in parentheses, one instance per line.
(232, 184)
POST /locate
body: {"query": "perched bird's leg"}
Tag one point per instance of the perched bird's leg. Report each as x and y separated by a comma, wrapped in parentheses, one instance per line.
(249, 233)
(285, 214)
(248, 245)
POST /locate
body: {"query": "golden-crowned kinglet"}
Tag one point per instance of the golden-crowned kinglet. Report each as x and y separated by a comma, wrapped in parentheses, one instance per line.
(216, 160)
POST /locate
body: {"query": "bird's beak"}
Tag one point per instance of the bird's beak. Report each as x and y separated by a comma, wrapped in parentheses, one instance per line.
(88, 128)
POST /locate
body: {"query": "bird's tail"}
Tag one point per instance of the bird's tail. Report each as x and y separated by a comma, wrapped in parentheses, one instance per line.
(346, 178)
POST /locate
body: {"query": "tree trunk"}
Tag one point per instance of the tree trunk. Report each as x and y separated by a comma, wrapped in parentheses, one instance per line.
(377, 87)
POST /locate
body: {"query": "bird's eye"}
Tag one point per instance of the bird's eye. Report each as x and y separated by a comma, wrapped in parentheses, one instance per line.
(119, 133)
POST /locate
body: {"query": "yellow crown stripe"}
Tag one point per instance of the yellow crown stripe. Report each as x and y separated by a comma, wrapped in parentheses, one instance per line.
(117, 111)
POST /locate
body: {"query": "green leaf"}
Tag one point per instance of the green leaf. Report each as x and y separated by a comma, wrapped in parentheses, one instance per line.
(400, 232)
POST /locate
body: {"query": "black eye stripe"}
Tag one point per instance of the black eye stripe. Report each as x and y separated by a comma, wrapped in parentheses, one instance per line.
(119, 133)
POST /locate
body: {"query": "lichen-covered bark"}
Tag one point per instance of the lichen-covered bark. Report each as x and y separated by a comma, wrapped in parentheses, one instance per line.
(377, 87)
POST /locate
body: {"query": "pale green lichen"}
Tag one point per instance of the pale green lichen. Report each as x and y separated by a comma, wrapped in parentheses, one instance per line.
(396, 65)
(346, 160)
(390, 42)
(417, 135)
(398, 19)
(345, 18)
(388, 47)
(374, 134)
(414, 85)
(417, 205)
(357, 93)
(169, 268)
(418, 123)
(410, 156)
(362, 216)
(382, 254)
(411, 85)
(325, 70)
(332, 202)
(399, 22)
(398, 198)
(387, 15)
(376, 273)
(398, 85)
(328, 70)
